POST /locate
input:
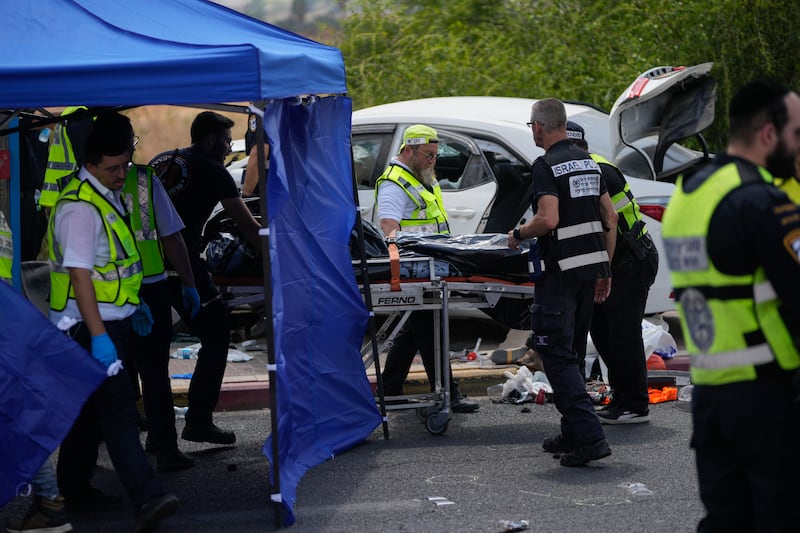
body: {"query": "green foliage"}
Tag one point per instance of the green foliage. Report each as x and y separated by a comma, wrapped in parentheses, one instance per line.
(585, 50)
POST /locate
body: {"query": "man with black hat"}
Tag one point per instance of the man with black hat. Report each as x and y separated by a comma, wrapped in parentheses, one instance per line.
(408, 199)
(617, 323)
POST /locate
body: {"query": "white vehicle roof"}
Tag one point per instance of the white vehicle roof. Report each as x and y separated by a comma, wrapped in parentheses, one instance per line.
(507, 117)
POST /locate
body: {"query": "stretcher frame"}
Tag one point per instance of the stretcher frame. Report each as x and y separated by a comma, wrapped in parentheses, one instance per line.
(398, 298)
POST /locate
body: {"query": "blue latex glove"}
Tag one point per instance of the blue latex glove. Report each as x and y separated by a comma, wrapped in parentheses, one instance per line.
(191, 300)
(142, 320)
(103, 349)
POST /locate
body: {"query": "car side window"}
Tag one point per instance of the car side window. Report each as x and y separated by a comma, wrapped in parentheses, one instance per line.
(369, 157)
(457, 167)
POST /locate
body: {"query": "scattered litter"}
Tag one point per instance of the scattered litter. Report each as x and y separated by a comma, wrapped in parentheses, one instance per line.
(658, 340)
(438, 501)
(181, 376)
(180, 412)
(236, 356)
(638, 491)
(191, 351)
(599, 392)
(513, 525)
(186, 352)
(524, 386)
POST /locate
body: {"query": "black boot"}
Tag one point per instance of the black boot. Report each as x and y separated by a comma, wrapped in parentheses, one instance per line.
(459, 403)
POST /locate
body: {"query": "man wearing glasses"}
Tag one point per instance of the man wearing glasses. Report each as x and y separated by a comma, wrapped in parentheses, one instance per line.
(409, 200)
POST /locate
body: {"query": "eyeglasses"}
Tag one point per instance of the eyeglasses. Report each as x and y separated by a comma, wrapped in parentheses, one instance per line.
(428, 155)
(530, 124)
(115, 169)
(135, 140)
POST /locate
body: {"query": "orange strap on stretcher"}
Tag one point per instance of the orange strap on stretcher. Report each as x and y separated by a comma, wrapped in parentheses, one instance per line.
(394, 267)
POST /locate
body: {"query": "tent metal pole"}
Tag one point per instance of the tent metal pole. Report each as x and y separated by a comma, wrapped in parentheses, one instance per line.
(266, 264)
(368, 302)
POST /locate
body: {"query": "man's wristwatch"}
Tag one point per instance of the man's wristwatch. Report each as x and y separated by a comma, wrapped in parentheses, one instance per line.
(390, 240)
(516, 234)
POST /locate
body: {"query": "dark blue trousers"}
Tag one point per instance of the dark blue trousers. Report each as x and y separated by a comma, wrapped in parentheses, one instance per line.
(617, 329)
(562, 303)
(745, 437)
(211, 326)
(151, 354)
(109, 415)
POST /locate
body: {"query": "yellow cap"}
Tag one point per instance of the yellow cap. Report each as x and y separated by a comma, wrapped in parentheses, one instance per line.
(418, 134)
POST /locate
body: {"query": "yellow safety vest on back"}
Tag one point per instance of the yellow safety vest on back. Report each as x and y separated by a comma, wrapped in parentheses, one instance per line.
(118, 281)
(429, 215)
(624, 204)
(731, 323)
(61, 161)
(137, 193)
(791, 187)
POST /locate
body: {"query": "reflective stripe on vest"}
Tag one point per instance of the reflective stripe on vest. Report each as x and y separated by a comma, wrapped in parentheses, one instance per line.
(118, 281)
(585, 228)
(731, 324)
(139, 186)
(429, 214)
(576, 261)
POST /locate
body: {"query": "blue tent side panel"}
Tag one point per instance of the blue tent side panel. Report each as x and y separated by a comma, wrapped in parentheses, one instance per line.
(45, 378)
(325, 403)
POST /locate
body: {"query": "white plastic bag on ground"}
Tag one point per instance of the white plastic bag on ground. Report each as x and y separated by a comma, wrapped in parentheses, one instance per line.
(658, 340)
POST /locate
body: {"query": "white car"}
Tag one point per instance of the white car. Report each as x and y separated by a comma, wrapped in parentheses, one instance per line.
(486, 150)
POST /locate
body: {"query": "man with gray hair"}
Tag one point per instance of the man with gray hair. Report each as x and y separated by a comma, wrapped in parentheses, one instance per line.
(573, 216)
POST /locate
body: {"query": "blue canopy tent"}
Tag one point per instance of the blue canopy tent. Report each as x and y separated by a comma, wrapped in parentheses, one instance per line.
(194, 52)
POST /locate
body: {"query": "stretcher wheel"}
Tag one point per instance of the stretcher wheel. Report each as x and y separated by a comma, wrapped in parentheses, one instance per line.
(436, 423)
(422, 414)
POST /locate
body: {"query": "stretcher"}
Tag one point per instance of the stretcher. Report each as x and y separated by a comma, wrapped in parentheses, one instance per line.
(397, 299)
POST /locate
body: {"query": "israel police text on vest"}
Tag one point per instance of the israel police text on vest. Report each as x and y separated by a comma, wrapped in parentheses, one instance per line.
(577, 245)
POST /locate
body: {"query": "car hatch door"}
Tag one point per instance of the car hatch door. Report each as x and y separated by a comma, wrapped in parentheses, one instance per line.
(670, 104)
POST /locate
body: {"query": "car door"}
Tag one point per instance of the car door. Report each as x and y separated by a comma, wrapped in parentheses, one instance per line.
(465, 176)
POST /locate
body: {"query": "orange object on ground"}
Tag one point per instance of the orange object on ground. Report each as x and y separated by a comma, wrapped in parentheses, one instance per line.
(667, 394)
(655, 362)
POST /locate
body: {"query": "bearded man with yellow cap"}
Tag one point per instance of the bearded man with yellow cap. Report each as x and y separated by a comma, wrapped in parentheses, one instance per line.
(408, 199)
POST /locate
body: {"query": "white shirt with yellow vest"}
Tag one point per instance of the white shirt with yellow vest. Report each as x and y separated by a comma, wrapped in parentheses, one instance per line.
(81, 235)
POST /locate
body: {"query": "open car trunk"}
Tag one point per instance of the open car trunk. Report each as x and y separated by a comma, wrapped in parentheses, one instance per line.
(662, 107)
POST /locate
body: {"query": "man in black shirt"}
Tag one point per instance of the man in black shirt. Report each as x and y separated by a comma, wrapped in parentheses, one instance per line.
(196, 180)
(573, 216)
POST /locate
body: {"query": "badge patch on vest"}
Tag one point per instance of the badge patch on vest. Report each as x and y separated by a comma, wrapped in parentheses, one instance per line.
(172, 170)
(584, 185)
(698, 318)
(792, 243)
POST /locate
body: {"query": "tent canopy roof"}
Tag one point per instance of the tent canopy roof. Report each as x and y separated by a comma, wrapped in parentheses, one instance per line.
(114, 53)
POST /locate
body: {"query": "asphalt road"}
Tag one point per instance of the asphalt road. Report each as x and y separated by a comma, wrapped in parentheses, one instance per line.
(487, 467)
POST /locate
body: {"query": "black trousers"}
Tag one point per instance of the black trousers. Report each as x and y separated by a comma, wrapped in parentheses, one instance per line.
(109, 415)
(416, 334)
(617, 329)
(151, 355)
(211, 327)
(563, 306)
(745, 439)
